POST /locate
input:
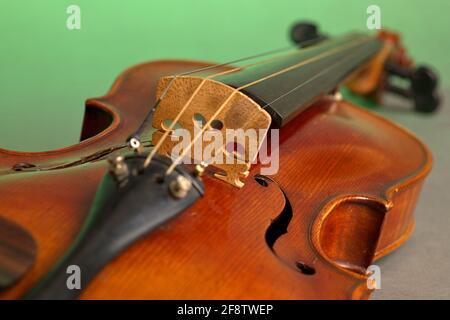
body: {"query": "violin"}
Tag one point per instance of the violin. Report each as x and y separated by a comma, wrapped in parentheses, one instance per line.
(334, 191)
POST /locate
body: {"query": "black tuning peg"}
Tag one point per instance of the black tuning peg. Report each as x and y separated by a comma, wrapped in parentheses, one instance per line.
(422, 86)
(305, 34)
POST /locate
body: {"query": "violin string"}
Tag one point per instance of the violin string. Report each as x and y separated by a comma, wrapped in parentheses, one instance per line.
(324, 71)
(190, 72)
(304, 45)
(318, 75)
(198, 88)
(158, 145)
(168, 131)
(222, 106)
(134, 139)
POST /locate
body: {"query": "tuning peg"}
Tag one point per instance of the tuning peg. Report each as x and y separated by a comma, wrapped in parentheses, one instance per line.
(305, 34)
(421, 89)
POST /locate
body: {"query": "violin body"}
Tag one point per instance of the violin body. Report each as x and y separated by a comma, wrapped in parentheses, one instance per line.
(343, 197)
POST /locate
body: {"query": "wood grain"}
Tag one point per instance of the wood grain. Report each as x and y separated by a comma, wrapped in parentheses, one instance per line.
(336, 160)
(17, 252)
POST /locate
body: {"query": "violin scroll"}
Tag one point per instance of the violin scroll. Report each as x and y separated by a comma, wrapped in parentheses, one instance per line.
(380, 74)
(393, 64)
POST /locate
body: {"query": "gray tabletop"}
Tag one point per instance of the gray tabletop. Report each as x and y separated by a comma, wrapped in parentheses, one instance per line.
(420, 269)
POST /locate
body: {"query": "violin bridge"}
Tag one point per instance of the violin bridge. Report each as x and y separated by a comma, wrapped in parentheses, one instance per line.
(232, 140)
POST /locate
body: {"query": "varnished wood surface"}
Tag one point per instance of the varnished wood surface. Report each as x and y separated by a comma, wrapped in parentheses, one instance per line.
(336, 160)
(17, 252)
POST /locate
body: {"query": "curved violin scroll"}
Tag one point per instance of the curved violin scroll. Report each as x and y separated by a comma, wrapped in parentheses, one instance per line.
(393, 63)
(380, 74)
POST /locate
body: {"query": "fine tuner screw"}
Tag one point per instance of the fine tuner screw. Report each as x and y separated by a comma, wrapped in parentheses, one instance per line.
(135, 144)
(118, 168)
(180, 187)
(199, 170)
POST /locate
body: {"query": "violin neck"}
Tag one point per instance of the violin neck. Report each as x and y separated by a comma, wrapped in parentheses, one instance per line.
(287, 84)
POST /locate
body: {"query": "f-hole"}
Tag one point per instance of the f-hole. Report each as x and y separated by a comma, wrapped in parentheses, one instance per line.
(95, 121)
(280, 224)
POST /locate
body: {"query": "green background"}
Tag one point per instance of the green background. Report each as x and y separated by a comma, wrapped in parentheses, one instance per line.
(47, 71)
